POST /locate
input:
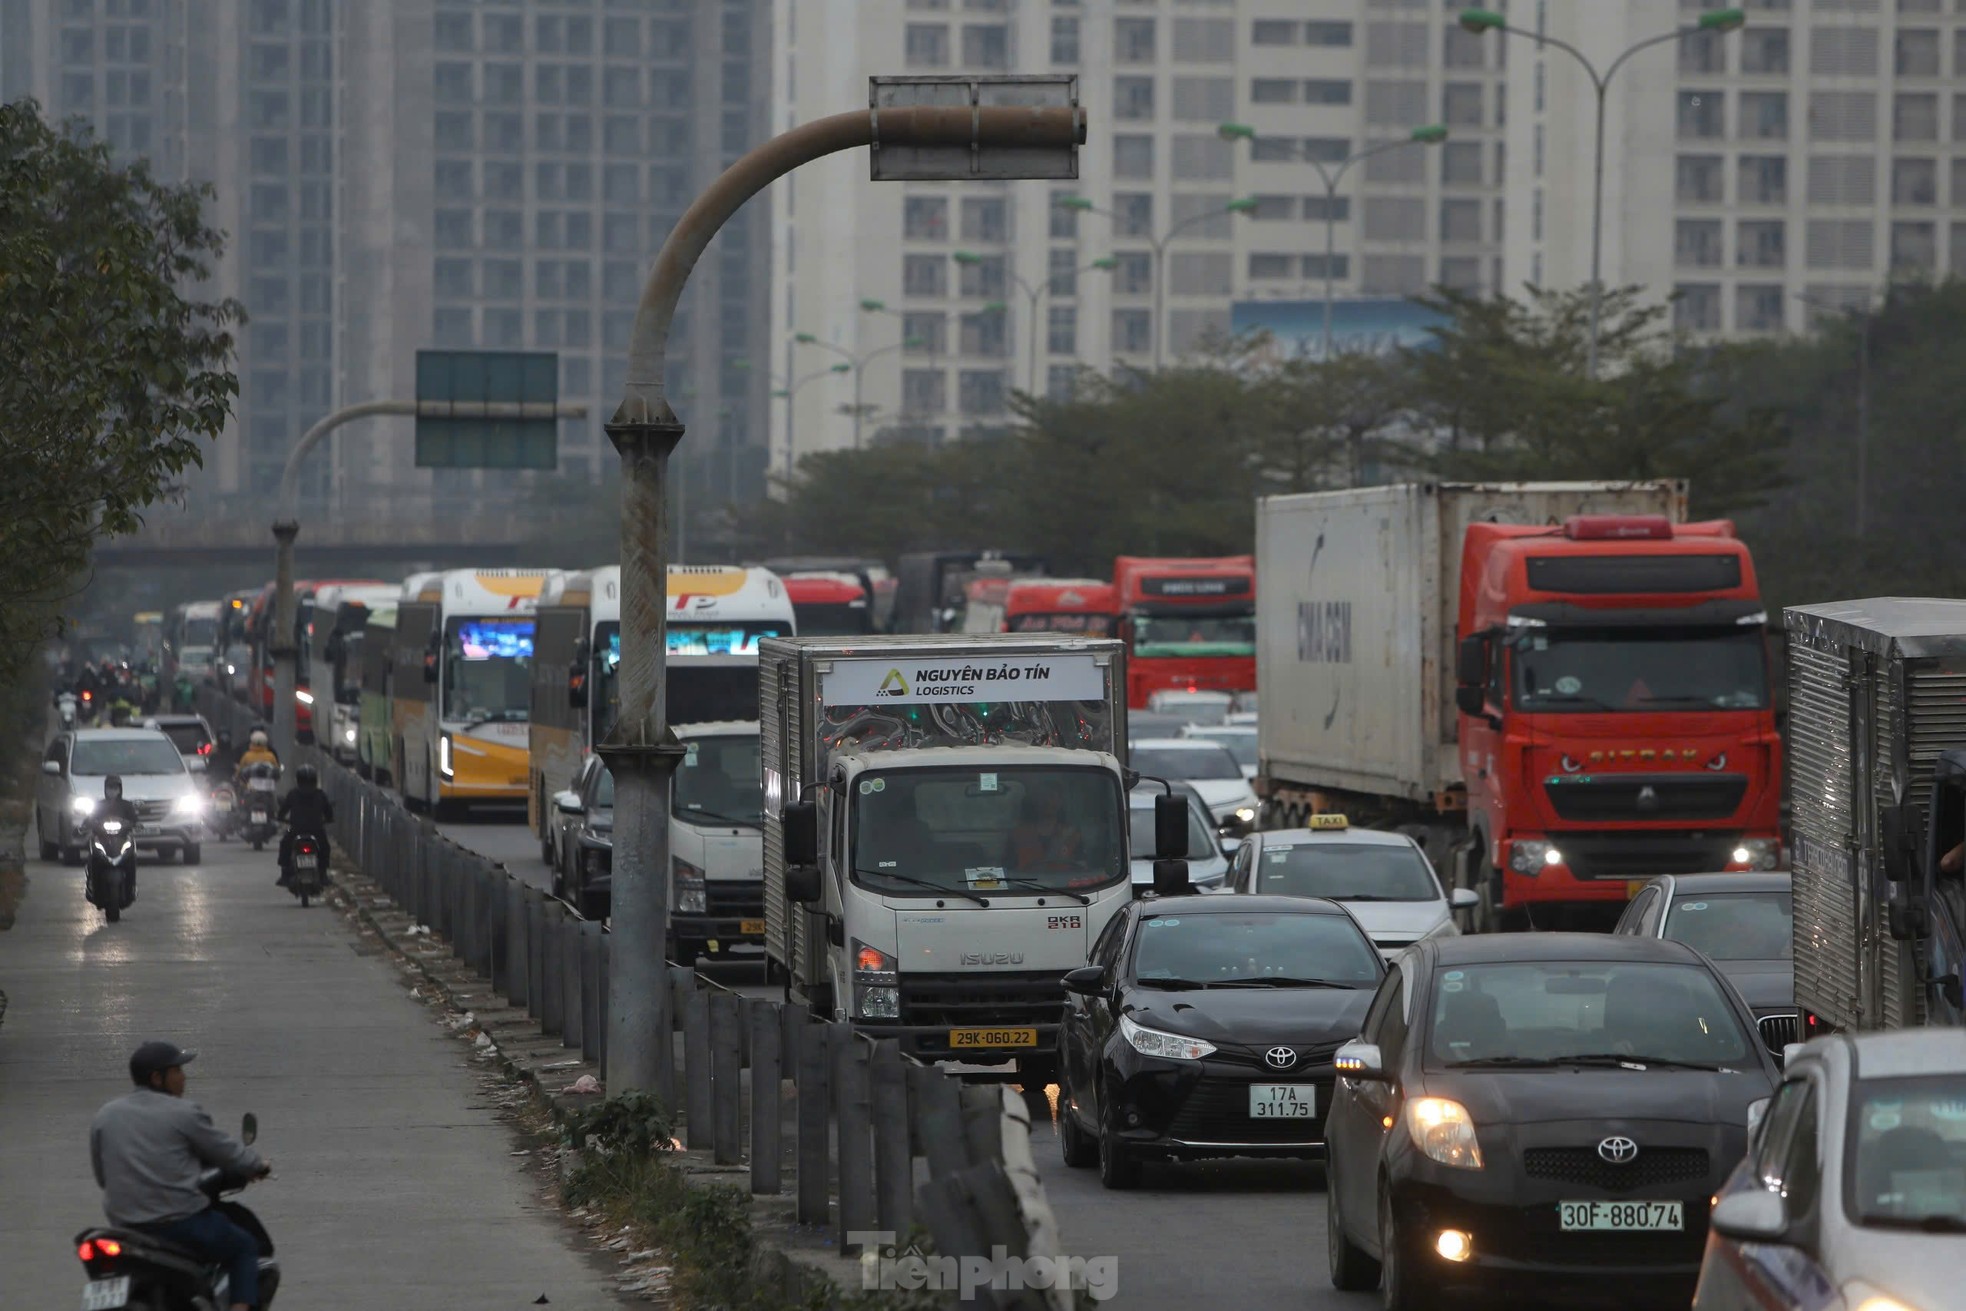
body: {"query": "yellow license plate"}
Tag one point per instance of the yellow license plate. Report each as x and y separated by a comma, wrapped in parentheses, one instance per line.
(964, 1038)
(751, 928)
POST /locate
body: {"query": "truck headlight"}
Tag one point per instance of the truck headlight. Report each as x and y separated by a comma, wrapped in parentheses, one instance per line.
(1865, 1297)
(1444, 1131)
(348, 735)
(691, 899)
(876, 983)
(1757, 853)
(304, 696)
(1167, 1046)
(1531, 855)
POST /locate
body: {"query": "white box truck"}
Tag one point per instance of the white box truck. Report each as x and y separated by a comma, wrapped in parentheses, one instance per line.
(946, 831)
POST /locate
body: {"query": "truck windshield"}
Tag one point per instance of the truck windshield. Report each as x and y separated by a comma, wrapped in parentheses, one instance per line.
(719, 782)
(833, 620)
(1063, 621)
(487, 669)
(1640, 669)
(1200, 760)
(1179, 636)
(1906, 1162)
(1007, 829)
(348, 674)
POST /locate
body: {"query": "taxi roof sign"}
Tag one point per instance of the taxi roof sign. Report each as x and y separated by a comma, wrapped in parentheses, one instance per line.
(1328, 821)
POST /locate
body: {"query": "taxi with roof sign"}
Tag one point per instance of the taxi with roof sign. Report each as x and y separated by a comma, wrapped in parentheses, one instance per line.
(1383, 879)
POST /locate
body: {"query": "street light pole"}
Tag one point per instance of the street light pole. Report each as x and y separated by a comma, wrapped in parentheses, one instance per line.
(857, 363)
(1487, 20)
(787, 393)
(1431, 135)
(283, 646)
(1245, 205)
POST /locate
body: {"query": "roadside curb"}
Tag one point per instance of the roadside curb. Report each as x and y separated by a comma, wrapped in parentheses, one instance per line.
(796, 1263)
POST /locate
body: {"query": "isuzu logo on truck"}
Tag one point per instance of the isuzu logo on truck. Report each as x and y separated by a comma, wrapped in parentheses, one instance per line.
(993, 958)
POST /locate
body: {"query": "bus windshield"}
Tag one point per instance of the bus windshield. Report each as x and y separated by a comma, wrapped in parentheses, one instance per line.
(199, 632)
(720, 688)
(488, 670)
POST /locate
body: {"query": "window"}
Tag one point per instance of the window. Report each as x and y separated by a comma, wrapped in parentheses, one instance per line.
(1761, 244)
(1461, 104)
(1703, 52)
(1060, 381)
(1697, 179)
(927, 45)
(1915, 118)
(1328, 91)
(1275, 32)
(1327, 33)
(1460, 163)
(985, 219)
(1841, 244)
(924, 275)
(1464, 49)
(1133, 98)
(924, 391)
(1843, 50)
(1316, 208)
(452, 84)
(1265, 266)
(1133, 40)
(1064, 40)
(1396, 45)
(1132, 332)
(1914, 246)
(1696, 243)
(983, 278)
(1917, 52)
(1702, 115)
(1203, 157)
(1394, 218)
(1915, 181)
(1765, 50)
(1062, 275)
(925, 218)
(1133, 273)
(1393, 275)
(1208, 100)
(1842, 116)
(1460, 220)
(452, 228)
(1134, 213)
(1764, 179)
(1064, 220)
(1133, 157)
(1276, 208)
(1200, 272)
(984, 333)
(1395, 104)
(986, 45)
(980, 391)
(1204, 40)
(1061, 329)
(1842, 180)
(1274, 91)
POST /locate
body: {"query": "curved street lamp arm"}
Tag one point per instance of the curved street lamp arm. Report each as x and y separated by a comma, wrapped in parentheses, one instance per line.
(1576, 54)
(1677, 34)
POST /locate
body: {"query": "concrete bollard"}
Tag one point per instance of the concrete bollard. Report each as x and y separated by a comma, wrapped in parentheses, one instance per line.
(938, 1120)
(815, 1182)
(573, 1018)
(601, 1049)
(698, 1091)
(593, 1006)
(727, 1077)
(514, 986)
(853, 1108)
(552, 1011)
(764, 1018)
(535, 947)
(894, 1161)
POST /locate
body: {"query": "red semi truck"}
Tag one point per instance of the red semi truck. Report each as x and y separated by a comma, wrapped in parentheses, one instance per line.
(1189, 624)
(1563, 688)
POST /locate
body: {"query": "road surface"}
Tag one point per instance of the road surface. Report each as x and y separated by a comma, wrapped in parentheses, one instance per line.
(396, 1183)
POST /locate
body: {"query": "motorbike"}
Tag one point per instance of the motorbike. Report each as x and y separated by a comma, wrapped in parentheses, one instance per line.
(261, 804)
(68, 709)
(223, 811)
(131, 1269)
(307, 867)
(110, 884)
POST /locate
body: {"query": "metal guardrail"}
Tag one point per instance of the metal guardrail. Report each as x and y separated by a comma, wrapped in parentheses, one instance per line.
(880, 1142)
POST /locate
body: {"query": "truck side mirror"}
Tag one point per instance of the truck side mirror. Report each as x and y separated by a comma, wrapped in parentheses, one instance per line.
(1896, 839)
(1908, 918)
(1171, 878)
(802, 884)
(800, 824)
(1170, 827)
(1471, 663)
(1469, 700)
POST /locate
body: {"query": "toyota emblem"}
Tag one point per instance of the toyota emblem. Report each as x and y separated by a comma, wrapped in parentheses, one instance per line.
(1618, 1150)
(1281, 1058)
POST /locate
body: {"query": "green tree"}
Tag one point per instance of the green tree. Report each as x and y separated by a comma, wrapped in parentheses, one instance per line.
(115, 375)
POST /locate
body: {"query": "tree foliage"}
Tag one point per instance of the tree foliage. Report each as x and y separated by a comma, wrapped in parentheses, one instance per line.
(115, 374)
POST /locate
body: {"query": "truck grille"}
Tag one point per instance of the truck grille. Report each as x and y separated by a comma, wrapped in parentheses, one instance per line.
(1583, 1166)
(1647, 796)
(1640, 855)
(994, 1000)
(741, 899)
(1778, 1031)
(1217, 1111)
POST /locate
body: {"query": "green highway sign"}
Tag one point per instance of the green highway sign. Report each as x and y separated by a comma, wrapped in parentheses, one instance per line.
(521, 388)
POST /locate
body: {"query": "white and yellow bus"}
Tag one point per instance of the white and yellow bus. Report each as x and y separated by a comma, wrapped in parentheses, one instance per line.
(717, 616)
(460, 732)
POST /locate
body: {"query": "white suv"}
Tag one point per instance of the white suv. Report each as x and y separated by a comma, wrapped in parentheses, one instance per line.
(170, 808)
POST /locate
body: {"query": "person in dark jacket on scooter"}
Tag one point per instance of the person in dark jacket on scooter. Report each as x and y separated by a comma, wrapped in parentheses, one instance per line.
(305, 810)
(148, 1149)
(116, 806)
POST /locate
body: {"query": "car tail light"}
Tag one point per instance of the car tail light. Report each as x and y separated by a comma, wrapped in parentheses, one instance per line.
(204, 748)
(86, 1252)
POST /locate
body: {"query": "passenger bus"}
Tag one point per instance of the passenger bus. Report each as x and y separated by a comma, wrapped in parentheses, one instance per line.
(191, 641)
(1189, 624)
(373, 657)
(460, 686)
(830, 604)
(331, 625)
(1084, 606)
(717, 616)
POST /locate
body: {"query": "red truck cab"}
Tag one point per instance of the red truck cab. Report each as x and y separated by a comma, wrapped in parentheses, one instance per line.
(1189, 624)
(1617, 718)
(1084, 606)
(829, 604)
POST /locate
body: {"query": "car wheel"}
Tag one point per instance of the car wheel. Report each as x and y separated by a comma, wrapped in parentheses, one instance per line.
(1080, 1149)
(1119, 1169)
(193, 854)
(1402, 1286)
(1352, 1270)
(559, 885)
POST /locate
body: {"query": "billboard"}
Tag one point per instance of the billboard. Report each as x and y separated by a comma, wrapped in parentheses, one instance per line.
(1296, 327)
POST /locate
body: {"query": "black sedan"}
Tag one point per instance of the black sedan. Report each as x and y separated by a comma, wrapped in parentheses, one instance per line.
(1744, 922)
(1550, 1112)
(1205, 1026)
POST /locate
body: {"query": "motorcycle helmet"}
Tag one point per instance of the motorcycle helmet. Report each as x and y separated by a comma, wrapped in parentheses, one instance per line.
(308, 776)
(258, 739)
(112, 787)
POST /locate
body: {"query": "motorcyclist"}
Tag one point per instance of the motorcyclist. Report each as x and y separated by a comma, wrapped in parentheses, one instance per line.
(148, 1149)
(258, 752)
(304, 810)
(116, 806)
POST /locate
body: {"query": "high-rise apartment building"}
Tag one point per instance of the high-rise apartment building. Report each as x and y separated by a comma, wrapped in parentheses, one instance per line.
(1798, 163)
(405, 174)
(979, 288)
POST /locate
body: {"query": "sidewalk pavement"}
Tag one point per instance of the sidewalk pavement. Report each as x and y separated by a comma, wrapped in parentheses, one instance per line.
(396, 1185)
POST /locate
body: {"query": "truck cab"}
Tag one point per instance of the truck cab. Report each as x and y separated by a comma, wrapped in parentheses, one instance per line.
(717, 841)
(1189, 624)
(1616, 720)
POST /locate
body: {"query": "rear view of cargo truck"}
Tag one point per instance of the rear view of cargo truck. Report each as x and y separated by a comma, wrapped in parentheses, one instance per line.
(1564, 685)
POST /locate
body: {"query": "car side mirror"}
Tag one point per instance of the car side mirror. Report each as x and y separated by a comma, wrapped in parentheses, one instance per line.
(802, 884)
(1359, 1059)
(51, 767)
(1170, 827)
(249, 1129)
(800, 824)
(1463, 899)
(1790, 1051)
(1086, 981)
(1469, 699)
(569, 804)
(1753, 1216)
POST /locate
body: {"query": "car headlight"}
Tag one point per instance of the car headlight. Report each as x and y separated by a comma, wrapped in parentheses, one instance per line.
(1167, 1046)
(1860, 1296)
(1246, 813)
(1757, 853)
(82, 805)
(190, 807)
(876, 983)
(304, 696)
(691, 899)
(1530, 855)
(1444, 1131)
(348, 735)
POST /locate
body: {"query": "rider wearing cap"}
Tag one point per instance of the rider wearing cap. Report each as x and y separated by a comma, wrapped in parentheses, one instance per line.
(305, 810)
(148, 1149)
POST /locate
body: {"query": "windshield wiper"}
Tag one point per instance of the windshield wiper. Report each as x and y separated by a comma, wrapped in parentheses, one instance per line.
(1565, 698)
(1172, 985)
(1930, 1224)
(1281, 981)
(1616, 1060)
(940, 888)
(1046, 888)
(1503, 1063)
(1366, 896)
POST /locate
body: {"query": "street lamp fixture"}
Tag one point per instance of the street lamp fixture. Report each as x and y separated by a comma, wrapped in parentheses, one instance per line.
(1079, 203)
(804, 338)
(995, 306)
(873, 306)
(1430, 135)
(1105, 265)
(966, 257)
(1236, 132)
(1246, 205)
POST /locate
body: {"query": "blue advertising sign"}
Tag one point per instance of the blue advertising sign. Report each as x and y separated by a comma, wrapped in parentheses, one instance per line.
(1296, 327)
